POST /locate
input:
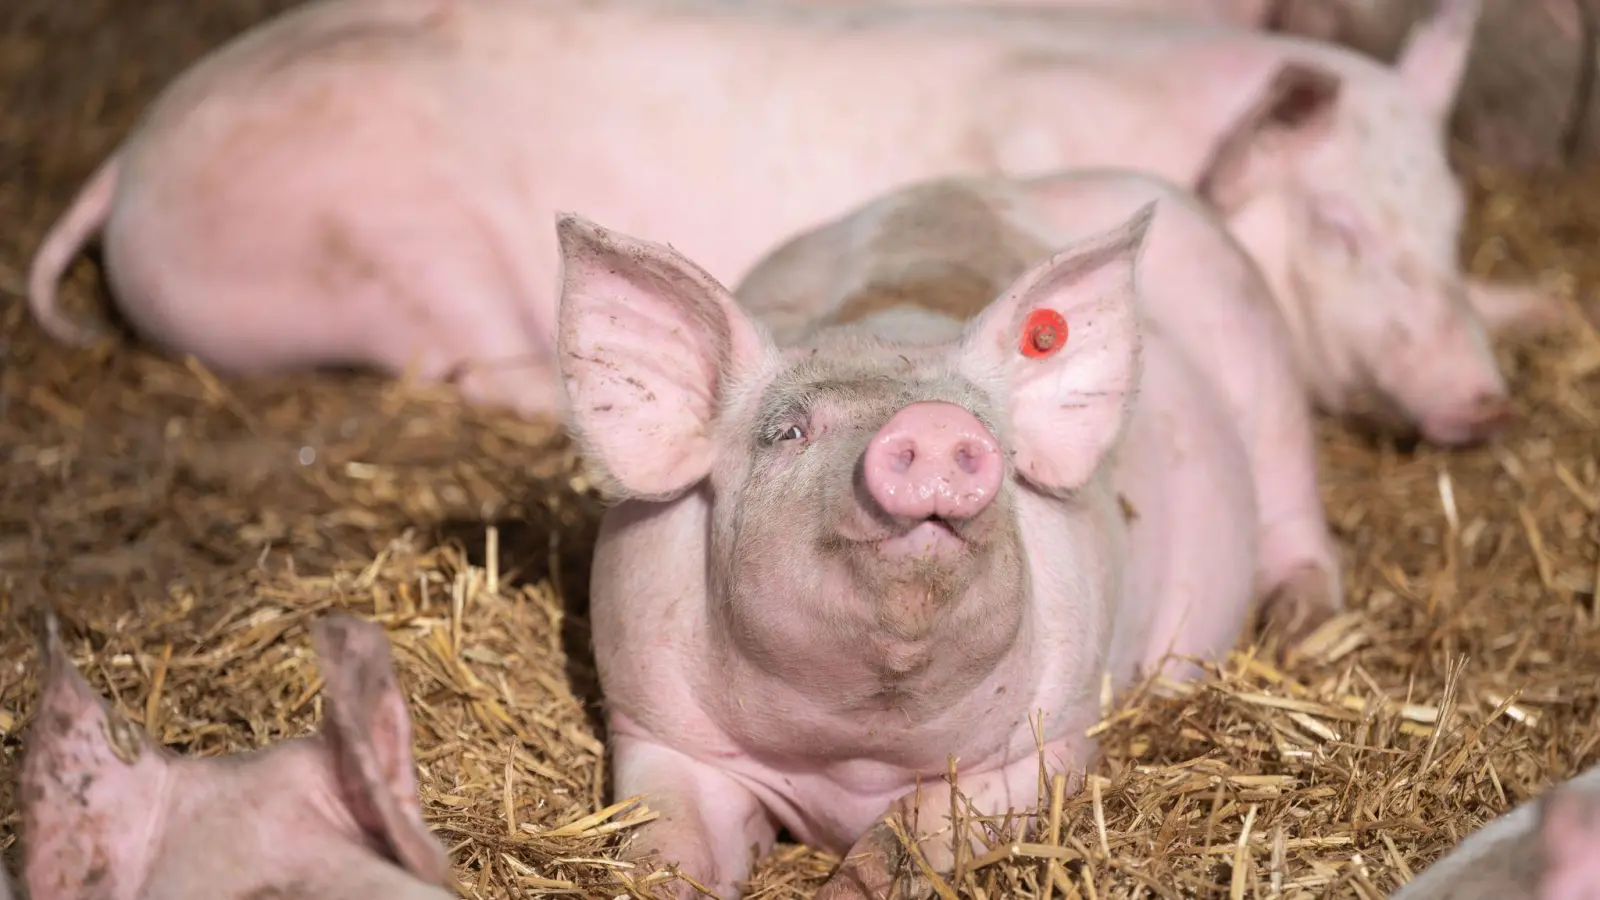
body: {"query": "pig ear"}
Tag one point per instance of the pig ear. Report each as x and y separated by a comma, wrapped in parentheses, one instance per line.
(1296, 108)
(369, 733)
(1063, 343)
(648, 344)
(1435, 54)
(92, 785)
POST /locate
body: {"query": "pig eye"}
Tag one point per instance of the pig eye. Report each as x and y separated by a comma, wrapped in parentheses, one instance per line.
(792, 433)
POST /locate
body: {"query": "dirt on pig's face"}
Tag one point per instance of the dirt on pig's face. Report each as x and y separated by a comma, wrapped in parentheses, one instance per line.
(796, 516)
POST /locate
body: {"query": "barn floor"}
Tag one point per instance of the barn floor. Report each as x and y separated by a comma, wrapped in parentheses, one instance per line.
(187, 527)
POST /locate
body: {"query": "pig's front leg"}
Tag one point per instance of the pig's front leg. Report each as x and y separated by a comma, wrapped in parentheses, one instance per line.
(878, 866)
(708, 824)
(1297, 579)
(1516, 309)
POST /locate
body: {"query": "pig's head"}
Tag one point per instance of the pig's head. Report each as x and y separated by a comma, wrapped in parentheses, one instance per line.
(1569, 843)
(109, 813)
(849, 472)
(1338, 181)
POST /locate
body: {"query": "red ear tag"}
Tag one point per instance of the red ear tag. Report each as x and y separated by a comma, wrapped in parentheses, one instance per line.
(1044, 333)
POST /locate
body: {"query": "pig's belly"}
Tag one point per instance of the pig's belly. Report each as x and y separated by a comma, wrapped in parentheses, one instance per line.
(1192, 539)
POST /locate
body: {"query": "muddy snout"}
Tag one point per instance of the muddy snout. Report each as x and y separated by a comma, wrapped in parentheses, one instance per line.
(933, 460)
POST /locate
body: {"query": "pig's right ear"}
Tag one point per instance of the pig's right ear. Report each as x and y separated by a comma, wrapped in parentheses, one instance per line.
(1062, 345)
(92, 787)
(369, 732)
(648, 344)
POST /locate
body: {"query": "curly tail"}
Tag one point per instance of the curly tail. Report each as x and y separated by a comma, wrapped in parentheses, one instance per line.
(61, 245)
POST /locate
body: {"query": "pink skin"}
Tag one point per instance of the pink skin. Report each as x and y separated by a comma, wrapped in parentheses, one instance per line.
(108, 813)
(1544, 849)
(262, 219)
(1569, 836)
(799, 667)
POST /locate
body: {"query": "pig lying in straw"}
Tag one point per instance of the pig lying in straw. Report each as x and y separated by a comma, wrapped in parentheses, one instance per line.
(108, 813)
(371, 181)
(954, 485)
(1546, 849)
(1527, 94)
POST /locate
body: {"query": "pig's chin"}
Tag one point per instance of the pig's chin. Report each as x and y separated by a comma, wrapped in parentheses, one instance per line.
(931, 539)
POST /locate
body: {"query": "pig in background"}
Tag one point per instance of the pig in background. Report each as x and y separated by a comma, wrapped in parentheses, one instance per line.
(1547, 848)
(370, 182)
(929, 479)
(1526, 100)
(107, 812)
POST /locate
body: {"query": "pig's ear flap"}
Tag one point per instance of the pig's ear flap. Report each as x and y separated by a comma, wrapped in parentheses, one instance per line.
(1062, 345)
(368, 731)
(1435, 54)
(92, 783)
(1296, 108)
(648, 344)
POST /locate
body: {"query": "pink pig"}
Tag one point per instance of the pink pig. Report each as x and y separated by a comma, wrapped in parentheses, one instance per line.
(947, 484)
(1547, 848)
(108, 813)
(371, 181)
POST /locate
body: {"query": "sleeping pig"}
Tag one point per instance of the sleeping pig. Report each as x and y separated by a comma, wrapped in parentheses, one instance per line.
(371, 181)
(1526, 97)
(109, 813)
(1548, 848)
(947, 472)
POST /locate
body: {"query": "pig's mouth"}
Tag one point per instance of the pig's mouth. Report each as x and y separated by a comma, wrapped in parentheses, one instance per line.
(933, 537)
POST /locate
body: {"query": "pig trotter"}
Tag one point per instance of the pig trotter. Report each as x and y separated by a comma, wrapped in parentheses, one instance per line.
(876, 868)
(708, 821)
(1516, 310)
(1298, 605)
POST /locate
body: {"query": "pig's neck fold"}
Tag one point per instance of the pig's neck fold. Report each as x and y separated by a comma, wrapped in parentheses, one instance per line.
(855, 648)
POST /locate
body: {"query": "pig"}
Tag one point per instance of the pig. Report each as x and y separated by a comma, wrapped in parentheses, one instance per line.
(1547, 848)
(368, 182)
(107, 812)
(1527, 94)
(941, 470)
(1527, 98)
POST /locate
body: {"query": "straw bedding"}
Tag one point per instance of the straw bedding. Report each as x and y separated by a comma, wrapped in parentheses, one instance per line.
(188, 527)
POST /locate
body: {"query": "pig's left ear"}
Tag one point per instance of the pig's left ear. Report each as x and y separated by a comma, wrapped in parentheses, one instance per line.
(1435, 54)
(369, 733)
(92, 783)
(1295, 109)
(1062, 344)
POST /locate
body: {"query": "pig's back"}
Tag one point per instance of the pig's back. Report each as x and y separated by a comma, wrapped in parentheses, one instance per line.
(912, 266)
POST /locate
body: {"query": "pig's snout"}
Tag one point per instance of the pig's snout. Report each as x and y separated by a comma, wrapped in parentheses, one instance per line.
(1484, 417)
(933, 459)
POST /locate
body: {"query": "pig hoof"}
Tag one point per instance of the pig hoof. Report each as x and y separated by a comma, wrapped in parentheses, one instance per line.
(876, 868)
(1298, 606)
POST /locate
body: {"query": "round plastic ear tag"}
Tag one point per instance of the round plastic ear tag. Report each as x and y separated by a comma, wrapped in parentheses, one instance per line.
(1044, 333)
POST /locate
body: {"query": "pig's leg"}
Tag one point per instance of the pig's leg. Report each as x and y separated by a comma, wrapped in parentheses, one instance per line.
(878, 866)
(1297, 565)
(1514, 308)
(709, 822)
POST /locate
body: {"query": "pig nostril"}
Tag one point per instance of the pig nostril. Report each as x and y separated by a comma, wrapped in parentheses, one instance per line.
(967, 460)
(901, 462)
